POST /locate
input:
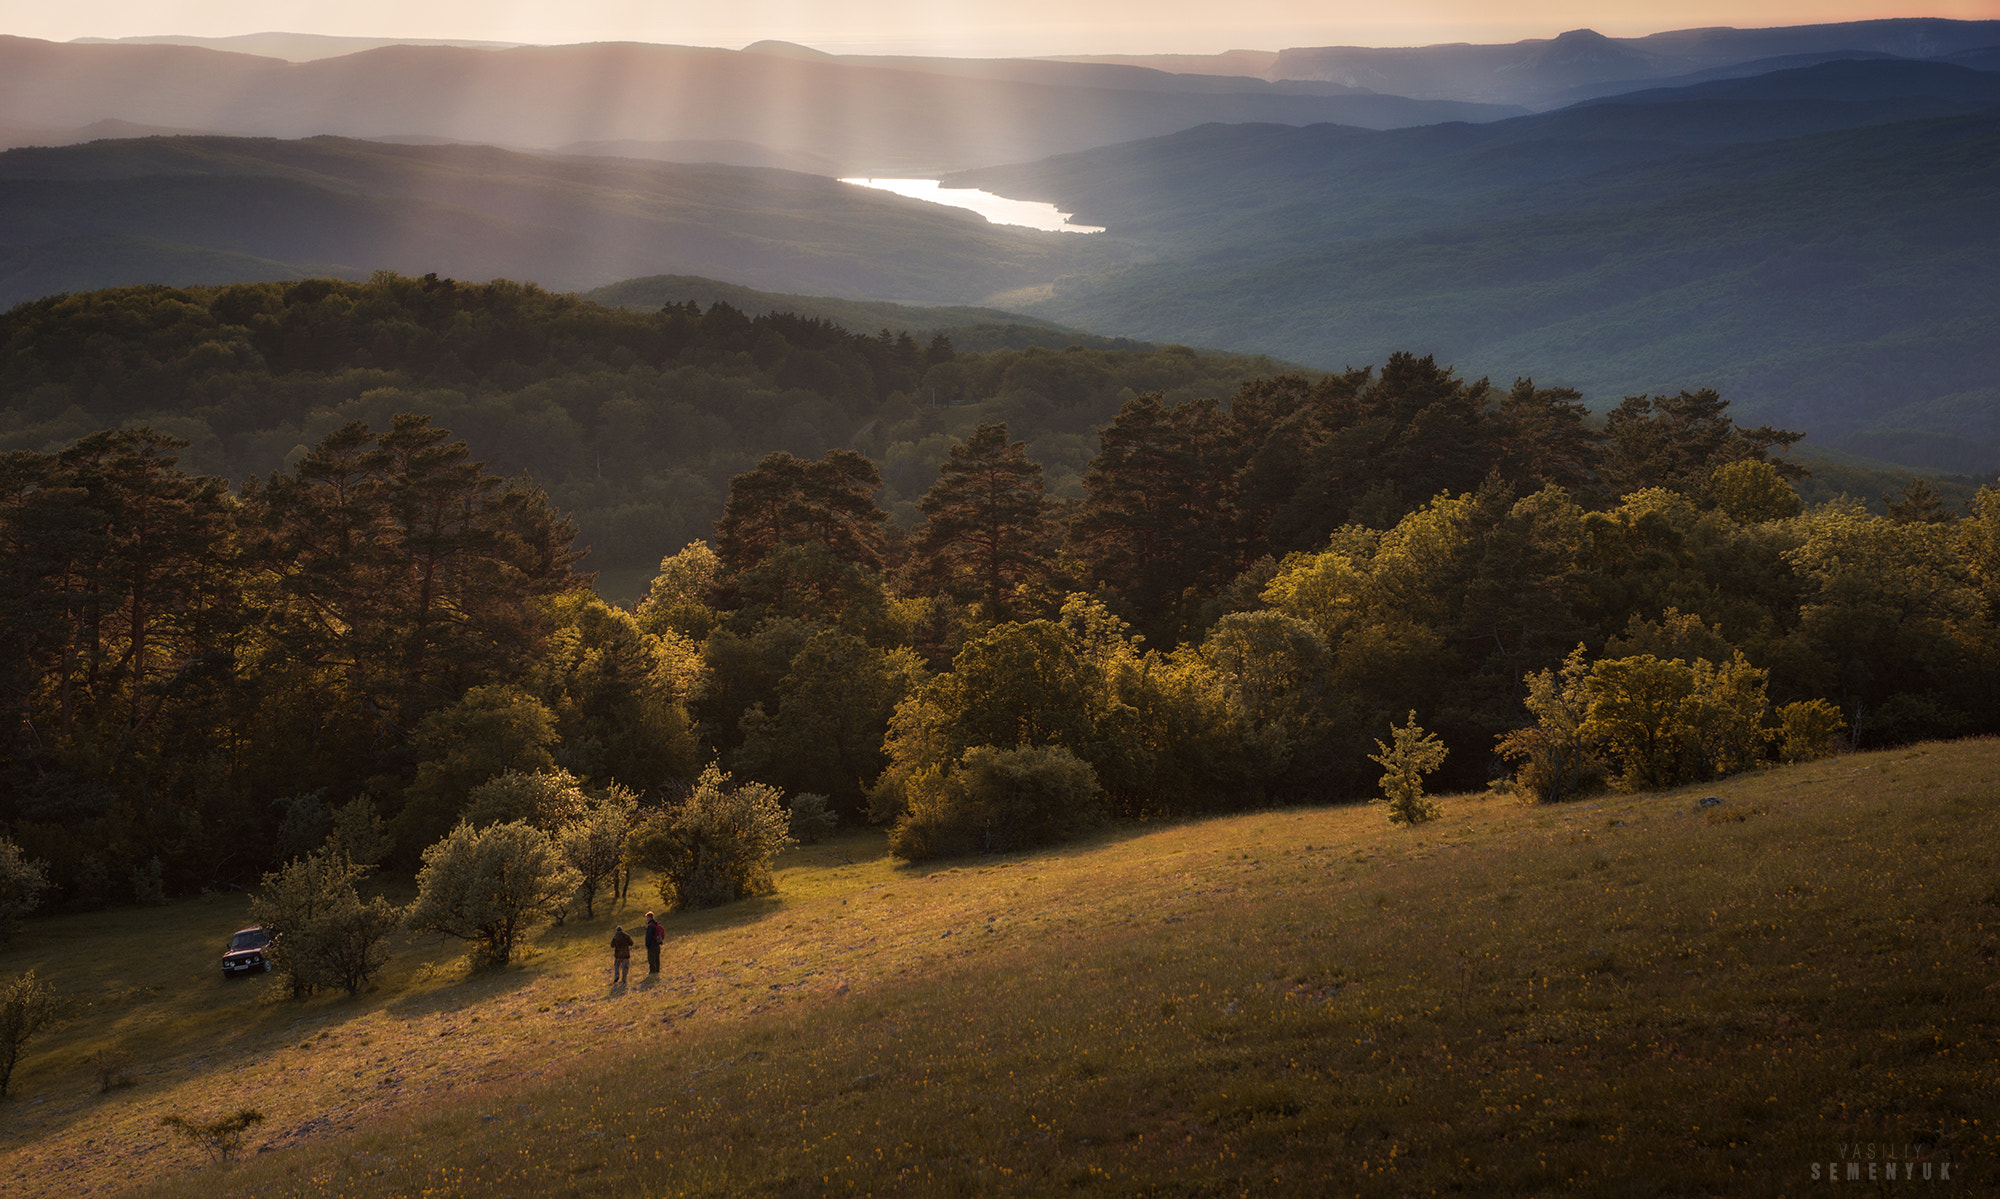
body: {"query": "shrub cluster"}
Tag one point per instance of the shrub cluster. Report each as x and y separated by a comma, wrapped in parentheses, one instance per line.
(27, 1005)
(812, 819)
(998, 801)
(1656, 722)
(322, 933)
(717, 846)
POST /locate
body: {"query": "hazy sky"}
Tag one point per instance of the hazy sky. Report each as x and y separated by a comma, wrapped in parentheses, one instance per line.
(959, 27)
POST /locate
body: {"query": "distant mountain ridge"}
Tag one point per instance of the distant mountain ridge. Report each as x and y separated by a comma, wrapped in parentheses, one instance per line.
(292, 47)
(1180, 187)
(1548, 72)
(872, 116)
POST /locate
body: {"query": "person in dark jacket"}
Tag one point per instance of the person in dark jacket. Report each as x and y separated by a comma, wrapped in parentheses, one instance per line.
(656, 936)
(621, 955)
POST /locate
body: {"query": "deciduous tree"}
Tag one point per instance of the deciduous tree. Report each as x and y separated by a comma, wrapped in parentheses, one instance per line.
(488, 886)
(322, 934)
(27, 1005)
(1411, 754)
(617, 694)
(22, 882)
(490, 731)
(1557, 755)
(593, 842)
(831, 709)
(717, 846)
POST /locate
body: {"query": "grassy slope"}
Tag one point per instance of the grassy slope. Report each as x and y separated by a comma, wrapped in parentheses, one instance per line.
(1632, 996)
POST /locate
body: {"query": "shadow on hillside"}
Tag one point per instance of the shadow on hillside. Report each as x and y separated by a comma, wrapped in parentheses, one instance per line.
(463, 987)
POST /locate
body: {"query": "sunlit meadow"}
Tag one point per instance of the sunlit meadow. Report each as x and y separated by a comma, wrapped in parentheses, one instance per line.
(1635, 995)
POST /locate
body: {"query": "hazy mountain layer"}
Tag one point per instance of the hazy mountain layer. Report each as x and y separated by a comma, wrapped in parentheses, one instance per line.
(1810, 240)
(878, 116)
(1541, 72)
(1537, 72)
(293, 47)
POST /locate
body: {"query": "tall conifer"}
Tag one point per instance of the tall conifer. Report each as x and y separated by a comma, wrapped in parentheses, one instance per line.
(985, 531)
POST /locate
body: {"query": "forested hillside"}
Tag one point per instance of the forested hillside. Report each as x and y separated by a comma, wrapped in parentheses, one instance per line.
(976, 329)
(1243, 591)
(633, 422)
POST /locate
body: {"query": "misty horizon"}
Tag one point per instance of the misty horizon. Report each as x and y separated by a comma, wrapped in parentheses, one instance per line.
(1034, 29)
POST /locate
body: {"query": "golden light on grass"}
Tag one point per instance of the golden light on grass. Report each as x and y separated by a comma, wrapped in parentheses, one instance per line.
(1632, 995)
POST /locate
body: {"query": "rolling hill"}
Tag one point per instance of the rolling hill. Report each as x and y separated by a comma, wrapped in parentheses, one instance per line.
(973, 329)
(213, 210)
(1632, 996)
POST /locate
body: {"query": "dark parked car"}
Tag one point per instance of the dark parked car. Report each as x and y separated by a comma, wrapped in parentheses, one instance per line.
(248, 950)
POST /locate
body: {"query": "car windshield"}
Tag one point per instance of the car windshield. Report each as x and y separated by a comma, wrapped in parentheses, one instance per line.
(249, 940)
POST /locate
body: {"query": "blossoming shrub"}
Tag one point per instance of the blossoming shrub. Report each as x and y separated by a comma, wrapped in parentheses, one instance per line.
(716, 847)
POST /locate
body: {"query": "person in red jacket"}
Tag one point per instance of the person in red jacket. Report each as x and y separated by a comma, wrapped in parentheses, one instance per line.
(656, 936)
(621, 955)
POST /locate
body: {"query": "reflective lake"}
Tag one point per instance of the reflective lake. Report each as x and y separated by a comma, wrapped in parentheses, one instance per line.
(997, 209)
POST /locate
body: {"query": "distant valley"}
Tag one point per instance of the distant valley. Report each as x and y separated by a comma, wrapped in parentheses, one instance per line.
(1798, 217)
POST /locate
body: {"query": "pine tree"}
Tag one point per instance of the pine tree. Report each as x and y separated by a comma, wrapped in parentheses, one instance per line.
(985, 531)
(1158, 524)
(789, 500)
(123, 592)
(1675, 441)
(1542, 439)
(398, 561)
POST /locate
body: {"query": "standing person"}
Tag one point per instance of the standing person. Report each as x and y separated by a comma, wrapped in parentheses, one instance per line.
(655, 937)
(621, 955)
